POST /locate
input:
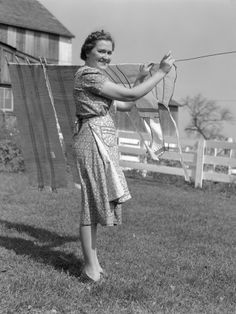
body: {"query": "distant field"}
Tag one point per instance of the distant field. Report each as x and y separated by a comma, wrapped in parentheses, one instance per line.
(174, 253)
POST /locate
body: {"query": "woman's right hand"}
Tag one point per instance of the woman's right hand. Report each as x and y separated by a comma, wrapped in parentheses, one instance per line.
(167, 63)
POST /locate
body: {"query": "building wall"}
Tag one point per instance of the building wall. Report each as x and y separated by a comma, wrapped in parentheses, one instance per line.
(55, 48)
(65, 51)
(7, 53)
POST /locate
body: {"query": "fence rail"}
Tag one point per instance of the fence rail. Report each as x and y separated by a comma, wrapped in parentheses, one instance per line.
(204, 160)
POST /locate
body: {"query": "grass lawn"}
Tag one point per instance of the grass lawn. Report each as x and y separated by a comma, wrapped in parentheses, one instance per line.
(174, 253)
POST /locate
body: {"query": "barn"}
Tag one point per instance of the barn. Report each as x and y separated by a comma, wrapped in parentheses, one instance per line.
(29, 30)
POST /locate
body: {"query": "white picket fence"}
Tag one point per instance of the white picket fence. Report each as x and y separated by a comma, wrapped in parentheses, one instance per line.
(204, 160)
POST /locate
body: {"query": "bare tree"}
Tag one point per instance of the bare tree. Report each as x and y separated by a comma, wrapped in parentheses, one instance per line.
(206, 117)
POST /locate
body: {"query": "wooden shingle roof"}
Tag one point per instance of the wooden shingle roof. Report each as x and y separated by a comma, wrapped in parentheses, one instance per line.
(32, 15)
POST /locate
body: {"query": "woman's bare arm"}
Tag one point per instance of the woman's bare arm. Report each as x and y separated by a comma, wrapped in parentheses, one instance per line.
(121, 93)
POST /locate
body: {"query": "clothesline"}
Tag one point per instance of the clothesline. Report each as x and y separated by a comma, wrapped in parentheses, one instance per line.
(206, 56)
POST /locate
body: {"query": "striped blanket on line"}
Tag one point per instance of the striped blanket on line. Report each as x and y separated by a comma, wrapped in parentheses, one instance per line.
(44, 106)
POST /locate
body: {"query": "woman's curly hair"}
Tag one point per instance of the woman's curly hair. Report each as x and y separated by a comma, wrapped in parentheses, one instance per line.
(90, 42)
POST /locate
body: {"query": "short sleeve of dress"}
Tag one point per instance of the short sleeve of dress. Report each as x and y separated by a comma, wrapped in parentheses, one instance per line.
(93, 80)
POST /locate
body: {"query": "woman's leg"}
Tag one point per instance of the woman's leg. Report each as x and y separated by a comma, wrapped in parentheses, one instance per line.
(99, 267)
(88, 237)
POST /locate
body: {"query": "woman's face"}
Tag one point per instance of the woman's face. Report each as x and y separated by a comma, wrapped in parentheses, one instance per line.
(100, 56)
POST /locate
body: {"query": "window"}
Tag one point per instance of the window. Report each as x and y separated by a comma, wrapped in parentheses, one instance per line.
(6, 99)
(5, 76)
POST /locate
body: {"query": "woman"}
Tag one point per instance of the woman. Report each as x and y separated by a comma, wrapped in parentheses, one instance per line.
(103, 185)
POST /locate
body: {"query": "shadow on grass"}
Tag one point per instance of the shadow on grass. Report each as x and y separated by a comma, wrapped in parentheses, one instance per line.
(43, 252)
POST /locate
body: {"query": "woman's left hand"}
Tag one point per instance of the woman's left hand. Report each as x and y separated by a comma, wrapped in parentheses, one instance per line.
(145, 69)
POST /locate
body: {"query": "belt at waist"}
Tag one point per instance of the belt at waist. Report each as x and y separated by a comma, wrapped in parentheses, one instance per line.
(98, 120)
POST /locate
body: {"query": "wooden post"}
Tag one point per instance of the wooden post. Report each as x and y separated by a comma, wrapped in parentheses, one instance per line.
(199, 163)
(143, 159)
(230, 140)
(215, 152)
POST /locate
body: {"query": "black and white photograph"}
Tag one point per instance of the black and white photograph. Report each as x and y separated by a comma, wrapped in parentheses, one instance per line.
(117, 156)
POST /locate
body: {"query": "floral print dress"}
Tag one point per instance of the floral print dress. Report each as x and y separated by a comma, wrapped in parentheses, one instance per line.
(103, 184)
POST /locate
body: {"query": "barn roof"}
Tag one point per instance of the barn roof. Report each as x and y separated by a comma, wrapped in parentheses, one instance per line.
(175, 103)
(31, 14)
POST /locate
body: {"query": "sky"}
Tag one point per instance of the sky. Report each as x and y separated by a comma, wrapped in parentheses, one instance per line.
(144, 30)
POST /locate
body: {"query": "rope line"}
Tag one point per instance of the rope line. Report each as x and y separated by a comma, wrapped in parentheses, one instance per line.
(206, 56)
